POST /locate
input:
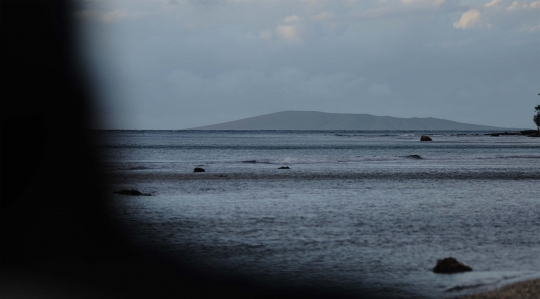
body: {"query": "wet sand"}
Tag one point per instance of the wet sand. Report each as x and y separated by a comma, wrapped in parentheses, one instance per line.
(521, 290)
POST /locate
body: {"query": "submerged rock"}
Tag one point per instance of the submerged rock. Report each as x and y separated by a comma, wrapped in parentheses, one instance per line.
(506, 134)
(132, 192)
(450, 265)
(198, 169)
(284, 167)
(425, 138)
(414, 157)
(249, 161)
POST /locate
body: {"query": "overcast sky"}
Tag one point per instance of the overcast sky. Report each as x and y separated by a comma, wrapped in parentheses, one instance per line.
(175, 64)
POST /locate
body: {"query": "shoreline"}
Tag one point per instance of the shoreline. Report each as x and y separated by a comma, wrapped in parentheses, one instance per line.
(528, 289)
(528, 133)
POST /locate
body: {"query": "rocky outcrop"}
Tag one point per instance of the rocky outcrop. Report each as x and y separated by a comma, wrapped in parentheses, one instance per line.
(132, 192)
(284, 167)
(198, 169)
(529, 132)
(425, 138)
(450, 265)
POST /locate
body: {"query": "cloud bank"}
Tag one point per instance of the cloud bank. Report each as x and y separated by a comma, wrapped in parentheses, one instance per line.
(163, 64)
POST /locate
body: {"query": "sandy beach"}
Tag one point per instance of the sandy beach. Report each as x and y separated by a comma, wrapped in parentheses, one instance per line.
(522, 290)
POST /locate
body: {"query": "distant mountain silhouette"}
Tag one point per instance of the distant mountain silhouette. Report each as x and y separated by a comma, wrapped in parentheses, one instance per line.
(311, 120)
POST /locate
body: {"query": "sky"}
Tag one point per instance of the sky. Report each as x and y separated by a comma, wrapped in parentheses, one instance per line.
(177, 64)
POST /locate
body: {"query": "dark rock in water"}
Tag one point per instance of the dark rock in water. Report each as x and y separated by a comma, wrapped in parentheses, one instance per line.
(450, 265)
(505, 134)
(136, 168)
(198, 169)
(529, 132)
(249, 161)
(132, 192)
(284, 167)
(510, 133)
(425, 138)
(414, 157)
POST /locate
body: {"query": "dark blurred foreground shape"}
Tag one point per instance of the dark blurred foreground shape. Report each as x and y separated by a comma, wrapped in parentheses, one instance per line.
(58, 240)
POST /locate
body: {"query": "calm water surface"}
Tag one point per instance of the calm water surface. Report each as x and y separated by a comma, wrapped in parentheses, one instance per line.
(355, 211)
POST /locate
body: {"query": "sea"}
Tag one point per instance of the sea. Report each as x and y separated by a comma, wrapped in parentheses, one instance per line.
(356, 212)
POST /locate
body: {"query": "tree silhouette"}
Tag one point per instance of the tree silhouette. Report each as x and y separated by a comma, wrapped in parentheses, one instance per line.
(536, 117)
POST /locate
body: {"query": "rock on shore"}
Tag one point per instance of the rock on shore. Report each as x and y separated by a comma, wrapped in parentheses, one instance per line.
(450, 265)
(132, 192)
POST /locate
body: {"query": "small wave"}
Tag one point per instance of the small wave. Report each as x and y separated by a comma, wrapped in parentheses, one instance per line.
(324, 160)
(464, 287)
(364, 135)
(506, 157)
(255, 162)
(481, 285)
(352, 135)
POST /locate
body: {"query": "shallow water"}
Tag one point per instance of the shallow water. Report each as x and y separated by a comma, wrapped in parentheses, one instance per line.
(356, 210)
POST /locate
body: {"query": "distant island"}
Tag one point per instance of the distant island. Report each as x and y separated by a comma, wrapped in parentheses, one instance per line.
(322, 121)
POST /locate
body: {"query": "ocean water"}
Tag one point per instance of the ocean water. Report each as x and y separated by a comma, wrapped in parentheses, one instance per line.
(356, 211)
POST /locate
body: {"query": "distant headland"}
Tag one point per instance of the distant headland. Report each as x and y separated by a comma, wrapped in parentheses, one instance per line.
(322, 121)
